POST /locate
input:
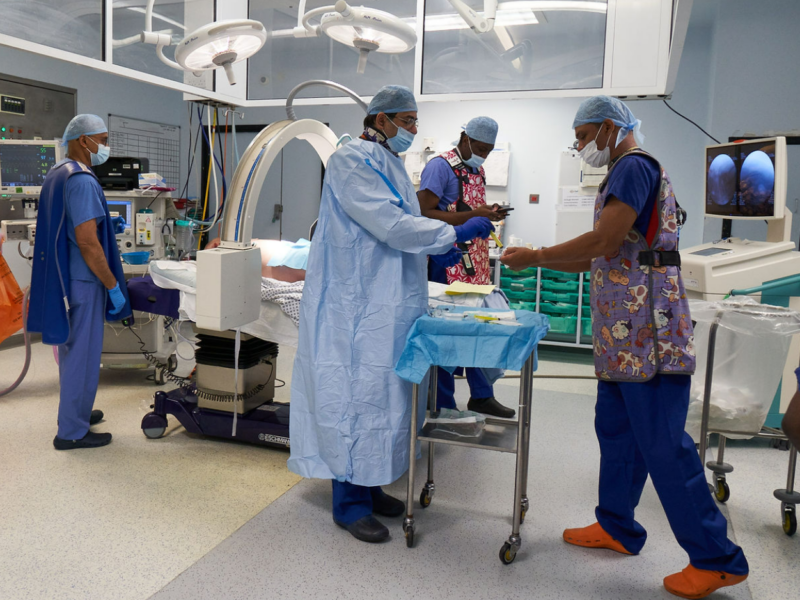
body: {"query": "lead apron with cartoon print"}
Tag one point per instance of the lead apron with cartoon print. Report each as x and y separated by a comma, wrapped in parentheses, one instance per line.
(637, 308)
(472, 190)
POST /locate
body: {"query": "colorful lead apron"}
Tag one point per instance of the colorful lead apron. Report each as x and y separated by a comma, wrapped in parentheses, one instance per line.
(635, 308)
(473, 193)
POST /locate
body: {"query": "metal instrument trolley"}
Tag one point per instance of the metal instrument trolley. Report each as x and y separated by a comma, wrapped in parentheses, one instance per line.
(500, 435)
(788, 497)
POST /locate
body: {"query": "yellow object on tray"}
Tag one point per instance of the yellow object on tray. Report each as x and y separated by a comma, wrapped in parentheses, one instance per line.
(459, 287)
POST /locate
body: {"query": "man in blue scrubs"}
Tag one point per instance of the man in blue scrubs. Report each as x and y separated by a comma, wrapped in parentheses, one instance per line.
(76, 270)
(453, 189)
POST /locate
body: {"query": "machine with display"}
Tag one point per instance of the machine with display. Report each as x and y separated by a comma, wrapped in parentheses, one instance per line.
(748, 180)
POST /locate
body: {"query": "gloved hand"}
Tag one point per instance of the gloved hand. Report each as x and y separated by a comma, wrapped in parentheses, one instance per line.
(117, 299)
(449, 259)
(119, 224)
(476, 227)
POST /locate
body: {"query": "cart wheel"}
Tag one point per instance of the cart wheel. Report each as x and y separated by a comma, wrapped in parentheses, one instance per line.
(159, 377)
(410, 537)
(721, 490)
(172, 363)
(789, 519)
(507, 554)
(425, 498)
(154, 433)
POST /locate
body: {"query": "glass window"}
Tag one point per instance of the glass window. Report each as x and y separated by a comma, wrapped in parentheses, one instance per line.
(172, 17)
(286, 61)
(534, 46)
(71, 25)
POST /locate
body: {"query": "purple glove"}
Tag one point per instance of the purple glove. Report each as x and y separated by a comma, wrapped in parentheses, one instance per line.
(476, 227)
(449, 259)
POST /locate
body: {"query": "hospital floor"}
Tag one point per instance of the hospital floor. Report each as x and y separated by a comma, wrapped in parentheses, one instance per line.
(186, 517)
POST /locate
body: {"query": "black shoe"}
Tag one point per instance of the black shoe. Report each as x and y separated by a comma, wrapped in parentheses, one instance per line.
(90, 440)
(97, 416)
(491, 407)
(367, 529)
(386, 506)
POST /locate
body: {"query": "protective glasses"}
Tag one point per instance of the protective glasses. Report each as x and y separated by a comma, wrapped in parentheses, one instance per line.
(408, 122)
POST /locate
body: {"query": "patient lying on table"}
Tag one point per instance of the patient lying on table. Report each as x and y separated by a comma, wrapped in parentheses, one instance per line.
(281, 260)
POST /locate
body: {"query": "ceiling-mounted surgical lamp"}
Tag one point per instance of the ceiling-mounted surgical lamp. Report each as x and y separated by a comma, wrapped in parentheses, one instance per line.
(478, 23)
(218, 44)
(366, 29)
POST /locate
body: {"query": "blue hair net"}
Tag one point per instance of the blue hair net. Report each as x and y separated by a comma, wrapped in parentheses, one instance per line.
(392, 99)
(482, 129)
(600, 108)
(83, 125)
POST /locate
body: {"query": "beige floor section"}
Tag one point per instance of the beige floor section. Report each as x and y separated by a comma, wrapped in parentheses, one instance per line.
(122, 521)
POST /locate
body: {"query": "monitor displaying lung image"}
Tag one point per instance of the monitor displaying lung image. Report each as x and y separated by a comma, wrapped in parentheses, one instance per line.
(741, 179)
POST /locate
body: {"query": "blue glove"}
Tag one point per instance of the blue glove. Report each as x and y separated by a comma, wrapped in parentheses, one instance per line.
(476, 227)
(117, 299)
(449, 259)
(119, 224)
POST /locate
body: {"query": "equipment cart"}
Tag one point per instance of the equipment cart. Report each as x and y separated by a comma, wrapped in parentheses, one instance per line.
(769, 329)
(435, 342)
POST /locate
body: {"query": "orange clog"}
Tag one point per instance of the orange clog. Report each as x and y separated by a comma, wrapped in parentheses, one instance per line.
(594, 536)
(695, 583)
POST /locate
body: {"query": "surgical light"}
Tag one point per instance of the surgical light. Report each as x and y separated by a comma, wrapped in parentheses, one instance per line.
(366, 29)
(218, 44)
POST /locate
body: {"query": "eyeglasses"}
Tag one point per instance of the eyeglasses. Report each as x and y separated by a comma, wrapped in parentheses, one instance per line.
(575, 145)
(409, 122)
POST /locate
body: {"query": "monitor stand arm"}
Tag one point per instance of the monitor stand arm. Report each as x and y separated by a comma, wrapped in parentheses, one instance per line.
(780, 230)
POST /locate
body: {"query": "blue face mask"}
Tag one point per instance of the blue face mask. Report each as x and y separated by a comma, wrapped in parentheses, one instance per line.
(473, 161)
(401, 141)
(103, 152)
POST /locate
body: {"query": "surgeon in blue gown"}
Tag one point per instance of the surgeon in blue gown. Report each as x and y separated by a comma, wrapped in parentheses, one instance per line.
(77, 281)
(366, 284)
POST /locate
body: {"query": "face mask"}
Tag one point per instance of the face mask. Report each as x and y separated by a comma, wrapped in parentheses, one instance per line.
(473, 161)
(594, 157)
(103, 152)
(401, 141)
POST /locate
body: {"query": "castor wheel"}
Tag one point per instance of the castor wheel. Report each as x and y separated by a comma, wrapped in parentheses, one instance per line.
(154, 433)
(409, 537)
(425, 498)
(160, 377)
(507, 554)
(789, 519)
(172, 363)
(721, 490)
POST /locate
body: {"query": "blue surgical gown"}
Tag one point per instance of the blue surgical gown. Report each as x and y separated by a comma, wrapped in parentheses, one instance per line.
(365, 286)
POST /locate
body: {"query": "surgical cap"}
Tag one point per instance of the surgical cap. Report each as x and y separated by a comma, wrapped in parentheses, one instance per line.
(482, 129)
(600, 108)
(392, 99)
(84, 125)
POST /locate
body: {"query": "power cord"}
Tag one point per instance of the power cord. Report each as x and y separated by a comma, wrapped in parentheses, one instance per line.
(692, 122)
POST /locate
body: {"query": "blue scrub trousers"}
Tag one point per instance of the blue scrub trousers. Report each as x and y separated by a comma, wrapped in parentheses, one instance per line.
(479, 386)
(79, 358)
(352, 502)
(640, 427)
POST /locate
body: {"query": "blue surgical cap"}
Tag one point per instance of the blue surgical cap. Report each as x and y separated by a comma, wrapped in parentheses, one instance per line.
(482, 129)
(392, 99)
(600, 108)
(83, 125)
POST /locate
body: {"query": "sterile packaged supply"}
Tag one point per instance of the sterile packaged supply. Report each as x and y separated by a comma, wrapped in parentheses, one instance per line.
(151, 180)
(460, 423)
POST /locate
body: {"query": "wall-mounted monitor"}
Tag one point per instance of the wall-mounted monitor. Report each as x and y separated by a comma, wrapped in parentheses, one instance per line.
(746, 180)
(24, 165)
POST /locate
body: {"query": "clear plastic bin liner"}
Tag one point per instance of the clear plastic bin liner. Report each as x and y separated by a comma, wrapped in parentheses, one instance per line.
(460, 423)
(750, 353)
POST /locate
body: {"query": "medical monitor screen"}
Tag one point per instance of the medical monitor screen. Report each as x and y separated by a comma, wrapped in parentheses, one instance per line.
(25, 165)
(123, 209)
(740, 180)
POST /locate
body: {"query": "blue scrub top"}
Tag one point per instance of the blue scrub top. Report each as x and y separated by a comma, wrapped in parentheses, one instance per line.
(84, 201)
(636, 181)
(438, 177)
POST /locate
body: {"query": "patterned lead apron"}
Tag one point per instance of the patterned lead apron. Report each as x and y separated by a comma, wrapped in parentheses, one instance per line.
(640, 316)
(473, 193)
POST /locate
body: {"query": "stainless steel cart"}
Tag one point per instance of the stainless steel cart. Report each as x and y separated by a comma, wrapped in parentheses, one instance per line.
(788, 497)
(500, 435)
